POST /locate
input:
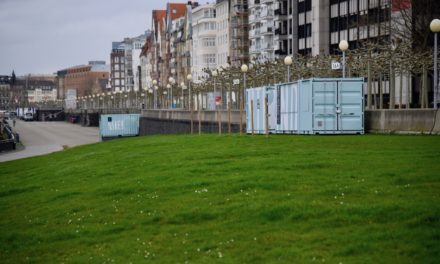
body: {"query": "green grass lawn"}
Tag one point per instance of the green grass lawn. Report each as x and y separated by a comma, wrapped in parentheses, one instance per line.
(228, 199)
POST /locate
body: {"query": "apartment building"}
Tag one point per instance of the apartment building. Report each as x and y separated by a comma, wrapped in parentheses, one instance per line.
(238, 32)
(154, 44)
(318, 26)
(125, 63)
(6, 97)
(174, 13)
(222, 33)
(207, 41)
(39, 91)
(176, 40)
(117, 66)
(268, 23)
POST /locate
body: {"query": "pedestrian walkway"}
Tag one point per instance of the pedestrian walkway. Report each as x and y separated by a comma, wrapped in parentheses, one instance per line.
(40, 138)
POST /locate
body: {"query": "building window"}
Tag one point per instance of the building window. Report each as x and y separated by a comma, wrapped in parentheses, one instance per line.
(209, 42)
(305, 31)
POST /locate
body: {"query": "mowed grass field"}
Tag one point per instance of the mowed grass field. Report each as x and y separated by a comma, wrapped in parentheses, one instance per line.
(227, 199)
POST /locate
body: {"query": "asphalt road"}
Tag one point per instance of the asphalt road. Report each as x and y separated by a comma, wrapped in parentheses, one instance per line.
(41, 138)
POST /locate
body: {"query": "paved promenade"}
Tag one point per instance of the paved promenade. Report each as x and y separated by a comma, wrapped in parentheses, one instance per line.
(41, 138)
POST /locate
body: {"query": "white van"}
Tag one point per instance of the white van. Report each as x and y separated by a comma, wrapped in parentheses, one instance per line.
(28, 116)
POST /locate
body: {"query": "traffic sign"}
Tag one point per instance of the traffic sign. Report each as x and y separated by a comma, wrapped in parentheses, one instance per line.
(336, 65)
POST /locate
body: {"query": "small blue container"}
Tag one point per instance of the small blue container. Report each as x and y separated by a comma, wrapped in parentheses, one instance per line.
(117, 125)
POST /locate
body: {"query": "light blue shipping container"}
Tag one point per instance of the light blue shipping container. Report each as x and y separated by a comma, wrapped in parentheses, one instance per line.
(256, 96)
(321, 106)
(119, 125)
(313, 106)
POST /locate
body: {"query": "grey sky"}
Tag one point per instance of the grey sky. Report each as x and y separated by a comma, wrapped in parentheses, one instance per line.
(43, 36)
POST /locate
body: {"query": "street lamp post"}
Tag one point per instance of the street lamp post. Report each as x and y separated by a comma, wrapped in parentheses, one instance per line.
(147, 101)
(155, 94)
(164, 95)
(244, 69)
(288, 61)
(343, 46)
(435, 27)
(156, 91)
(172, 81)
(215, 74)
(190, 105)
(168, 87)
(182, 85)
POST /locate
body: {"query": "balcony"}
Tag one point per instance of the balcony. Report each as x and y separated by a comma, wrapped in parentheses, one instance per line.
(281, 52)
(268, 13)
(280, 12)
(266, 30)
(241, 11)
(280, 31)
(268, 46)
(254, 50)
(252, 33)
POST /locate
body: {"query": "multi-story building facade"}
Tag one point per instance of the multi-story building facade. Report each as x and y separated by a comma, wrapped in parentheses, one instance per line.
(176, 40)
(207, 41)
(39, 91)
(146, 66)
(319, 26)
(155, 46)
(222, 32)
(80, 80)
(6, 98)
(125, 63)
(136, 45)
(185, 45)
(174, 13)
(117, 66)
(238, 32)
(30, 90)
(261, 32)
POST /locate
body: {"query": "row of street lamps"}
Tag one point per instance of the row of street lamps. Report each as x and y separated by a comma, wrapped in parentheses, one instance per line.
(288, 61)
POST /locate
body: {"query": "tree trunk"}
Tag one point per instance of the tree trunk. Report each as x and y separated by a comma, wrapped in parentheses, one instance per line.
(408, 91)
(369, 85)
(392, 85)
(422, 92)
(425, 82)
(401, 89)
(379, 85)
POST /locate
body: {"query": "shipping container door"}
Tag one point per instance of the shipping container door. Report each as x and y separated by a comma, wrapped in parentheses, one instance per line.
(324, 106)
(255, 97)
(272, 108)
(350, 106)
(287, 108)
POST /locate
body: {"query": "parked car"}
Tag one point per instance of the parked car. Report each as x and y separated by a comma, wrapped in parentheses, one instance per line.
(28, 116)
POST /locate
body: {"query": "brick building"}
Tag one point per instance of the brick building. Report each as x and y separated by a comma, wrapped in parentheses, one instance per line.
(81, 79)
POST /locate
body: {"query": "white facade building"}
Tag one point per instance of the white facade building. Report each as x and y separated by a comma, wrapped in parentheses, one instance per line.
(133, 80)
(222, 15)
(268, 22)
(205, 49)
(42, 92)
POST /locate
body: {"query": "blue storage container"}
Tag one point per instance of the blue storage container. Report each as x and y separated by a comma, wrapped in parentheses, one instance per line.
(313, 106)
(119, 125)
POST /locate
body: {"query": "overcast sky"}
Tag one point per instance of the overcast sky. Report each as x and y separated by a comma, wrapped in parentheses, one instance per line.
(43, 36)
